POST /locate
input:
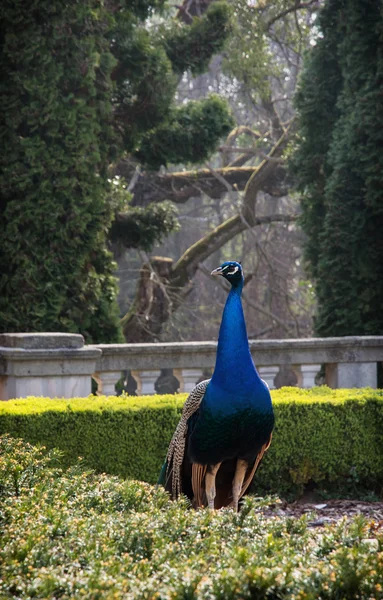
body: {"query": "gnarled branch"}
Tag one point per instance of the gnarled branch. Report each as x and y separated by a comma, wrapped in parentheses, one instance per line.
(294, 8)
(179, 187)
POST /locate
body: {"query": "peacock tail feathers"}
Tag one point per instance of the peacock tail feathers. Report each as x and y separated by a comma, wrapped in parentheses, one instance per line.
(176, 451)
(162, 475)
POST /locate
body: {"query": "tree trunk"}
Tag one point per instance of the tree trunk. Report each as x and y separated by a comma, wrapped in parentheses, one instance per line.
(163, 286)
(152, 305)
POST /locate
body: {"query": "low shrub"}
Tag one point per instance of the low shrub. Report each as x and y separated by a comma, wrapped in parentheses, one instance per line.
(121, 435)
(325, 438)
(76, 534)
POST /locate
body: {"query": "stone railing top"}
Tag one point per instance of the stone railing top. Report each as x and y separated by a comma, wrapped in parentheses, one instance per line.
(40, 354)
(265, 352)
(41, 341)
(360, 341)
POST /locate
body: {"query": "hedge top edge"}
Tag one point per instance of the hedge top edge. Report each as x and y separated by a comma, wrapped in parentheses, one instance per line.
(33, 405)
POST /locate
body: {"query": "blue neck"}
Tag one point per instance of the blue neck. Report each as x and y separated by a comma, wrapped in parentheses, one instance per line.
(234, 368)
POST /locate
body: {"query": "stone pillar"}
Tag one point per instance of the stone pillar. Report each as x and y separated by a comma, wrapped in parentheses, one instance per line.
(55, 365)
(352, 375)
(106, 381)
(188, 378)
(306, 375)
(146, 381)
(268, 375)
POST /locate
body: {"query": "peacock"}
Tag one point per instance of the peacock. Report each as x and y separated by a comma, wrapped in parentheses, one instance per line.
(227, 421)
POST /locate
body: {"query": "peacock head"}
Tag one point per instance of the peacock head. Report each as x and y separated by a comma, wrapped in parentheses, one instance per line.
(230, 270)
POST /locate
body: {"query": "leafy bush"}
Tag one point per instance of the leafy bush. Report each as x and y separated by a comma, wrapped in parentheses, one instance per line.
(76, 534)
(57, 142)
(338, 167)
(327, 438)
(83, 84)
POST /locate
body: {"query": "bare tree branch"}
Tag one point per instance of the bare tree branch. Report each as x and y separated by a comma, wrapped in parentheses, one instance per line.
(221, 179)
(279, 161)
(240, 161)
(180, 186)
(233, 135)
(238, 149)
(294, 8)
(262, 174)
(188, 263)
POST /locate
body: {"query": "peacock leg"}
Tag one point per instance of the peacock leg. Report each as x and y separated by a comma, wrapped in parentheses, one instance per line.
(240, 472)
(210, 483)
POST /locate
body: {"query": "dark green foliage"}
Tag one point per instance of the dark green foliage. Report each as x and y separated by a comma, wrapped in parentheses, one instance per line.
(149, 63)
(75, 534)
(328, 438)
(143, 8)
(143, 227)
(332, 439)
(190, 134)
(339, 167)
(81, 83)
(192, 47)
(145, 81)
(121, 436)
(316, 99)
(57, 141)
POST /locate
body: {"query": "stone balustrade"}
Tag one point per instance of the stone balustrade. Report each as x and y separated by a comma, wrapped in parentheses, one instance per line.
(59, 365)
(46, 364)
(348, 361)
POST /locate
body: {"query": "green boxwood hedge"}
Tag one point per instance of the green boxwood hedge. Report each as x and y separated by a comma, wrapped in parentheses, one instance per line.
(74, 534)
(325, 438)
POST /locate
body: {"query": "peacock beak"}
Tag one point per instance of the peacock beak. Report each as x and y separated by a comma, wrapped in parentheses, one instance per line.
(217, 271)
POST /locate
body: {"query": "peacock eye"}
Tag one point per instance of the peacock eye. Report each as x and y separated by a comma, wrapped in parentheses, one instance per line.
(233, 271)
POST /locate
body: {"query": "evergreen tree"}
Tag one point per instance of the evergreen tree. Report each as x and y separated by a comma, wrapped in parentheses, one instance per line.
(339, 167)
(81, 83)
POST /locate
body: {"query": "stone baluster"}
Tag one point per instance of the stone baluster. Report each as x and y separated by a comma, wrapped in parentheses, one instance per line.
(187, 378)
(268, 374)
(106, 381)
(146, 381)
(306, 375)
(352, 375)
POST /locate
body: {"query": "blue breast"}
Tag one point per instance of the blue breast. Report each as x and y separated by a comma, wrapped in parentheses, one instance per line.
(236, 415)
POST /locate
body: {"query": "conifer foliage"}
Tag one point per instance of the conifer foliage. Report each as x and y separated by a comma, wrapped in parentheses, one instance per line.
(339, 167)
(81, 83)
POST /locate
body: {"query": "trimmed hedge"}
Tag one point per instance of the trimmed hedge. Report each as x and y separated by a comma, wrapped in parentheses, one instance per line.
(75, 534)
(325, 438)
